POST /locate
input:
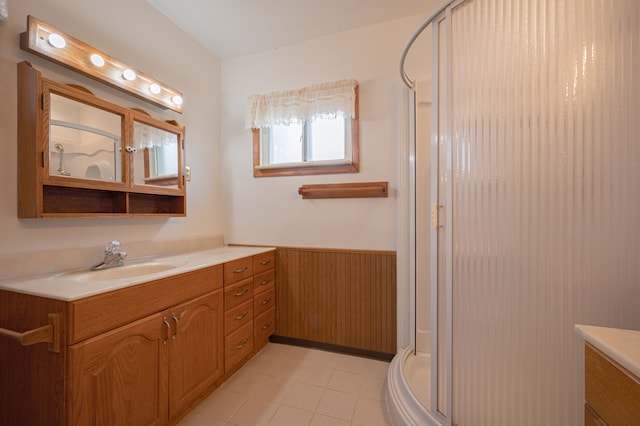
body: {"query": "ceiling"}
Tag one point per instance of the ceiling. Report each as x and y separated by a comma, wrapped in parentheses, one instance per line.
(229, 28)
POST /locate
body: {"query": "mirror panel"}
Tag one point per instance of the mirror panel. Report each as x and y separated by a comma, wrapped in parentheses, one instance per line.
(156, 159)
(84, 141)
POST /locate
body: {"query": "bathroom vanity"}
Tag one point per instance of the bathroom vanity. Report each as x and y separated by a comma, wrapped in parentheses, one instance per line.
(612, 375)
(139, 344)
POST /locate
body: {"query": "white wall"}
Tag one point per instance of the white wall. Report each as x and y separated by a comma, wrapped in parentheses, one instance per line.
(269, 210)
(137, 34)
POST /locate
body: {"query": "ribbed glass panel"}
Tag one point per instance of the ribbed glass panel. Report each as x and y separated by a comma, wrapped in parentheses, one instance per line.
(545, 200)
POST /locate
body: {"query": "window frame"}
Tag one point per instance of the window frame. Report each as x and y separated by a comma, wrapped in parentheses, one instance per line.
(310, 167)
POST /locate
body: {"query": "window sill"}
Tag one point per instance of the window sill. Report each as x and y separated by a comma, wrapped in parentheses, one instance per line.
(312, 168)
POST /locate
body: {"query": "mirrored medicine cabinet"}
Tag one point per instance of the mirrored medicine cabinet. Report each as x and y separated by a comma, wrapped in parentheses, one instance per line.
(80, 155)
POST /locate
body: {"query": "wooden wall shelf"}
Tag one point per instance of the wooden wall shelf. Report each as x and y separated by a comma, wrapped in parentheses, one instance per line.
(345, 190)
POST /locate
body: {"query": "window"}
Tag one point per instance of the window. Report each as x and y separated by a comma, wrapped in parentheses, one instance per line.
(313, 130)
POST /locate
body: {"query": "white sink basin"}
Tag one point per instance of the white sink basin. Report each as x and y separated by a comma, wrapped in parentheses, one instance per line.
(133, 270)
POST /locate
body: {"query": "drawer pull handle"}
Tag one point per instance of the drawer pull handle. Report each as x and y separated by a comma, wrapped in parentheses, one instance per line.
(264, 327)
(265, 282)
(175, 319)
(241, 345)
(241, 293)
(240, 270)
(265, 262)
(166, 323)
(242, 315)
(264, 302)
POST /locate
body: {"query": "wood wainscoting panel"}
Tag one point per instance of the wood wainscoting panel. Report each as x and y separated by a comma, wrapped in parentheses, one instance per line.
(339, 297)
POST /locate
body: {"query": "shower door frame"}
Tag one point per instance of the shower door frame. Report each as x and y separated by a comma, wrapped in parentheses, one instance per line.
(441, 202)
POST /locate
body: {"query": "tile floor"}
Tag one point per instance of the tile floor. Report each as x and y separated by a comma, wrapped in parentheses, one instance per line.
(292, 386)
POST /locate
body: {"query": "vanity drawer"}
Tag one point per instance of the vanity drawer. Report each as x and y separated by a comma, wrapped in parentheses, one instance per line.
(610, 390)
(237, 317)
(238, 345)
(264, 261)
(238, 293)
(264, 301)
(238, 269)
(264, 326)
(264, 281)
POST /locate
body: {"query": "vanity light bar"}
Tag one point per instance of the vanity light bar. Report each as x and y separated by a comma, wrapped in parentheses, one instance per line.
(57, 46)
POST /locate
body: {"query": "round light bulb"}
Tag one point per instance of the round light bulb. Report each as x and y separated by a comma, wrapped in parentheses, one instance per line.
(177, 99)
(129, 74)
(97, 60)
(56, 40)
(154, 88)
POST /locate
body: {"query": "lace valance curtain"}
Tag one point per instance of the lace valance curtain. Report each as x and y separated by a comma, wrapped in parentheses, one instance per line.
(326, 100)
(145, 136)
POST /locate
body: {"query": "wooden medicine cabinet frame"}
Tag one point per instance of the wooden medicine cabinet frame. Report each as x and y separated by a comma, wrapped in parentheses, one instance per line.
(44, 194)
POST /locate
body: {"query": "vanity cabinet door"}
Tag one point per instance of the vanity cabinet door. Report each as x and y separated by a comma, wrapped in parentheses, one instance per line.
(196, 353)
(120, 377)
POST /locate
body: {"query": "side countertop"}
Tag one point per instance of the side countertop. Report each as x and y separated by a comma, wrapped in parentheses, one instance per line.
(623, 346)
(73, 285)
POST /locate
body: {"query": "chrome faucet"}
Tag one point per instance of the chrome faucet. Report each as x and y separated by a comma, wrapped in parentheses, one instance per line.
(113, 257)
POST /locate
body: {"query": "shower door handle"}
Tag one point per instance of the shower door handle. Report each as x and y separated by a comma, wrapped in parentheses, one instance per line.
(434, 216)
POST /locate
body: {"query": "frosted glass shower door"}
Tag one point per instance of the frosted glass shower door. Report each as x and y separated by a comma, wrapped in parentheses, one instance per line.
(543, 197)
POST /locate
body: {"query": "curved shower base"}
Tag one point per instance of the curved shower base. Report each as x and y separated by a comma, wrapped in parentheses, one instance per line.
(407, 387)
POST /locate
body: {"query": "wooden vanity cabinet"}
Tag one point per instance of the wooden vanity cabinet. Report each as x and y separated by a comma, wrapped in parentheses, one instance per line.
(141, 355)
(249, 298)
(264, 299)
(238, 293)
(612, 393)
(127, 375)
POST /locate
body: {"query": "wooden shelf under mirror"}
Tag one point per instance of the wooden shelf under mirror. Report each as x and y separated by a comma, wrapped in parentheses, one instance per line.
(82, 156)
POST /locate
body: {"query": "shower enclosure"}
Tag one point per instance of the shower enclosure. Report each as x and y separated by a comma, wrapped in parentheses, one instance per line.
(534, 207)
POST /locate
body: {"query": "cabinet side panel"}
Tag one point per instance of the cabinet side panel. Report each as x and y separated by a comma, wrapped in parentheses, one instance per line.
(29, 148)
(31, 377)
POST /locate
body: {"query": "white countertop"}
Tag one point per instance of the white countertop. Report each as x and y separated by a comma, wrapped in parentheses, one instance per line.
(74, 285)
(623, 346)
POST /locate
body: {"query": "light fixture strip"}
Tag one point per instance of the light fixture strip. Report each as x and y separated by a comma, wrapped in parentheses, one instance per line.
(57, 46)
